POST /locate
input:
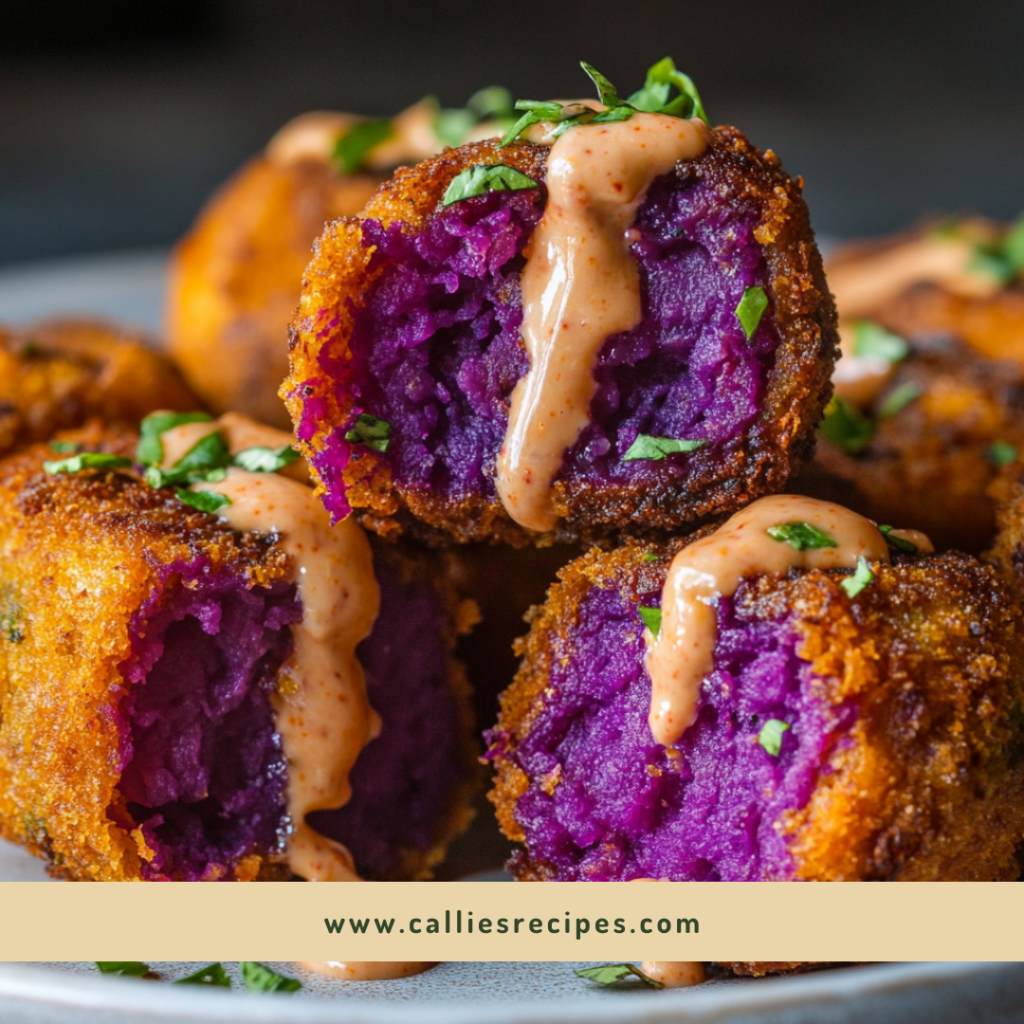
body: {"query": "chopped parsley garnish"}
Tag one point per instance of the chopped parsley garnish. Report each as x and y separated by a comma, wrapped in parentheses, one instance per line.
(616, 975)
(130, 968)
(206, 460)
(87, 460)
(352, 148)
(491, 104)
(656, 448)
(751, 308)
(652, 619)
(205, 501)
(873, 341)
(259, 978)
(151, 449)
(897, 542)
(370, 431)
(10, 617)
(770, 736)
(65, 447)
(1002, 259)
(1001, 453)
(212, 974)
(863, 575)
(801, 535)
(483, 178)
(265, 460)
(846, 427)
(649, 556)
(653, 98)
(898, 399)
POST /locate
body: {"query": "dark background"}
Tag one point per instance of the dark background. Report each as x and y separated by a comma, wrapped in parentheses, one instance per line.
(118, 118)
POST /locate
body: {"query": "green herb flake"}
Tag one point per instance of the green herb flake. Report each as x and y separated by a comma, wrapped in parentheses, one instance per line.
(259, 978)
(1001, 453)
(653, 98)
(128, 968)
(661, 78)
(205, 501)
(751, 308)
(212, 974)
(862, 576)
(370, 431)
(606, 92)
(897, 542)
(484, 178)
(206, 461)
(65, 447)
(801, 535)
(899, 398)
(873, 341)
(770, 736)
(652, 619)
(656, 448)
(617, 975)
(650, 556)
(353, 147)
(151, 449)
(87, 460)
(846, 427)
(265, 460)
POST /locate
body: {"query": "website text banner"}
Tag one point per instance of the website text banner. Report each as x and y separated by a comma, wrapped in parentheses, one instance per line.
(611, 921)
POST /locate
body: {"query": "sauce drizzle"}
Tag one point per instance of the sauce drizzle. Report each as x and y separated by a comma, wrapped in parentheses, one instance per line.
(712, 567)
(321, 709)
(580, 285)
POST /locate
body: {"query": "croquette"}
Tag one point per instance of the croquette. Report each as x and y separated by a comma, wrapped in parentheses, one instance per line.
(146, 661)
(59, 374)
(406, 350)
(924, 441)
(867, 737)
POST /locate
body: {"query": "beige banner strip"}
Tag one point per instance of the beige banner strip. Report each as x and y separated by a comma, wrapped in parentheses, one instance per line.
(500, 921)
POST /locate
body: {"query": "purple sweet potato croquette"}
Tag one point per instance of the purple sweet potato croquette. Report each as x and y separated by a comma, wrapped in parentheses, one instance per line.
(203, 772)
(406, 781)
(436, 349)
(624, 806)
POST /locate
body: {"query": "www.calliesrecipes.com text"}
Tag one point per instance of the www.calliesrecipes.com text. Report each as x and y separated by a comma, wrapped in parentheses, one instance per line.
(459, 923)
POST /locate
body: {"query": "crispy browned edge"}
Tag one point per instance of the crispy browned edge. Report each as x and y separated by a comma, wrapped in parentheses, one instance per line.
(930, 789)
(783, 437)
(234, 279)
(928, 466)
(435, 569)
(64, 613)
(57, 374)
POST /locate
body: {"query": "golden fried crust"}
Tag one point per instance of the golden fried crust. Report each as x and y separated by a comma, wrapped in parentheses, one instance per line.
(65, 610)
(929, 789)
(234, 279)
(338, 280)
(929, 465)
(58, 374)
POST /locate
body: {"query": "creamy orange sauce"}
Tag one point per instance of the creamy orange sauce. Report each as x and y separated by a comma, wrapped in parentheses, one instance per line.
(580, 285)
(861, 286)
(367, 970)
(313, 136)
(859, 379)
(675, 973)
(321, 709)
(710, 568)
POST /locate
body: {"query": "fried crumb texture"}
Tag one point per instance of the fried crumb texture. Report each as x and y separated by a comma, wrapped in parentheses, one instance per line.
(322, 389)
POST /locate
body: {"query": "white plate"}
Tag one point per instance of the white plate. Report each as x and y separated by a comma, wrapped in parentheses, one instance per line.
(129, 287)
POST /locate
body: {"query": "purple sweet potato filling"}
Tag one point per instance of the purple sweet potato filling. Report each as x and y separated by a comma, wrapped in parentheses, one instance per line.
(436, 348)
(621, 809)
(404, 780)
(202, 770)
